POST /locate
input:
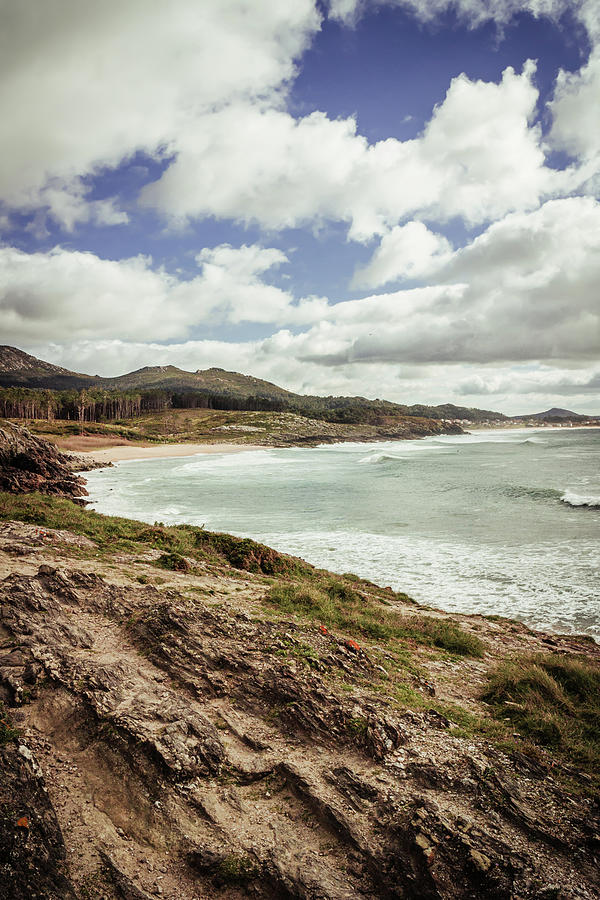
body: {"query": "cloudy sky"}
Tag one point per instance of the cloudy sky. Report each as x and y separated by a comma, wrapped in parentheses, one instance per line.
(393, 198)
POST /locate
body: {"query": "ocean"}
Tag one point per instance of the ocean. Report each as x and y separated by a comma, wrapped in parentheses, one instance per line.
(503, 522)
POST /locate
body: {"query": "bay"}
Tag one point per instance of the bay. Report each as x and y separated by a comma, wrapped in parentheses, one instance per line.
(500, 522)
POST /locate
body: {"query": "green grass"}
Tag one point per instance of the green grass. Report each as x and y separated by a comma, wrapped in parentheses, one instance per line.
(174, 561)
(337, 605)
(553, 700)
(237, 870)
(175, 542)
(7, 732)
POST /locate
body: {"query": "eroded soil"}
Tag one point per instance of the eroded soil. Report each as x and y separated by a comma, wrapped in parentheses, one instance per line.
(178, 739)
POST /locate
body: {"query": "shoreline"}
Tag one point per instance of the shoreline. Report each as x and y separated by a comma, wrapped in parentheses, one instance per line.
(129, 453)
(121, 664)
(185, 514)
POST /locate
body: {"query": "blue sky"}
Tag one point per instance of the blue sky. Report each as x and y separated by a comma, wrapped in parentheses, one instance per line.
(395, 198)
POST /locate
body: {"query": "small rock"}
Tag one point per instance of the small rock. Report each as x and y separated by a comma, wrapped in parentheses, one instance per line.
(422, 841)
(482, 862)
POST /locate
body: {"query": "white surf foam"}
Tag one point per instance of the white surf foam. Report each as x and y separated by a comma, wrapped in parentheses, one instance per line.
(573, 499)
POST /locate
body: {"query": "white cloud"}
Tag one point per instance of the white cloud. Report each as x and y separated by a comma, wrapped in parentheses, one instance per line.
(478, 158)
(69, 206)
(45, 295)
(202, 87)
(407, 251)
(526, 289)
(48, 295)
(575, 110)
(231, 288)
(87, 85)
(254, 163)
(474, 12)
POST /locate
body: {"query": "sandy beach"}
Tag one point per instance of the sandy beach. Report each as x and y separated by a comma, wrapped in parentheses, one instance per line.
(130, 452)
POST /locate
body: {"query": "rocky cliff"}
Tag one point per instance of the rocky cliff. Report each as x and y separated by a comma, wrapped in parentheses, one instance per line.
(31, 464)
(188, 715)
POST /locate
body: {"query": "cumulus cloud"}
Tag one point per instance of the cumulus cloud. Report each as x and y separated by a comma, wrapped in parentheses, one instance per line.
(575, 102)
(407, 251)
(202, 88)
(478, 158)
(48, 295)
(86, 85)
(525, 289)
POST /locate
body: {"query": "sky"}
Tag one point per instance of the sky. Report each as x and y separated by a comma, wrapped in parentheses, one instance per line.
(390, 198)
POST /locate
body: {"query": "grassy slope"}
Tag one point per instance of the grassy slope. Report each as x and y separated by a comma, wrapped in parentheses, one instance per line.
(552, 699)
(222, 426)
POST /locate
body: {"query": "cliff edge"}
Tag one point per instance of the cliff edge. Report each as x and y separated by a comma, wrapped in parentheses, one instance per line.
(191, 715)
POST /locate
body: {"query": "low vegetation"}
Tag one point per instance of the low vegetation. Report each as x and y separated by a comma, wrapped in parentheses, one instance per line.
(237, 870)
(554, 701)
(334, 604)
(176, 543)
(7, 732)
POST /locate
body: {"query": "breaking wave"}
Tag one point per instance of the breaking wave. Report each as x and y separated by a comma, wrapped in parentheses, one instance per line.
(573, 499)
(376, 458)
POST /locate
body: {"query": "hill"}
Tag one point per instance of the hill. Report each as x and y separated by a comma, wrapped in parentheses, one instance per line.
(19, 369)
(555, 415)
(217, 389)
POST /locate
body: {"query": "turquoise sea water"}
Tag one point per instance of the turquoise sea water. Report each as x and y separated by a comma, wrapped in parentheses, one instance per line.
(504, 522)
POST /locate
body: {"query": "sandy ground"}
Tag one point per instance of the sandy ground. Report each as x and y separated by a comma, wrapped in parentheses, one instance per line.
(158, 451)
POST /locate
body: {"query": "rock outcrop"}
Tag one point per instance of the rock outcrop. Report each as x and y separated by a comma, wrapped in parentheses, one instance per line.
(173, 745)
(167, 730)
(30, 464)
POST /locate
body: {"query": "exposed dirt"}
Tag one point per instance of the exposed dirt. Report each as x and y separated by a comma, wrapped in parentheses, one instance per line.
(177, 740)
(84, 442)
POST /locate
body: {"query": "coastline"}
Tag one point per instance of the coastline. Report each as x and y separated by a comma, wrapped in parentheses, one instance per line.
(132, 453)
(97, 452)
(187, 659)
(376, 557)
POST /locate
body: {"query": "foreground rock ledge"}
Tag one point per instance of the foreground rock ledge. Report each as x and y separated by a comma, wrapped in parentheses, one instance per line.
(173, 745)
(29, 464)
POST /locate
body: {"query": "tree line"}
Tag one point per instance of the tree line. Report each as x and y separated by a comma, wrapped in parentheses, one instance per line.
(104, 405)
(97, 405)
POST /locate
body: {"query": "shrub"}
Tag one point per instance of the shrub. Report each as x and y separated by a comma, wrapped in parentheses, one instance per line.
(174, 561)
(237, 870)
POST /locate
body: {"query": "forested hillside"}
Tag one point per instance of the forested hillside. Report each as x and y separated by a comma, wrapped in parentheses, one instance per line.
(33, 389)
